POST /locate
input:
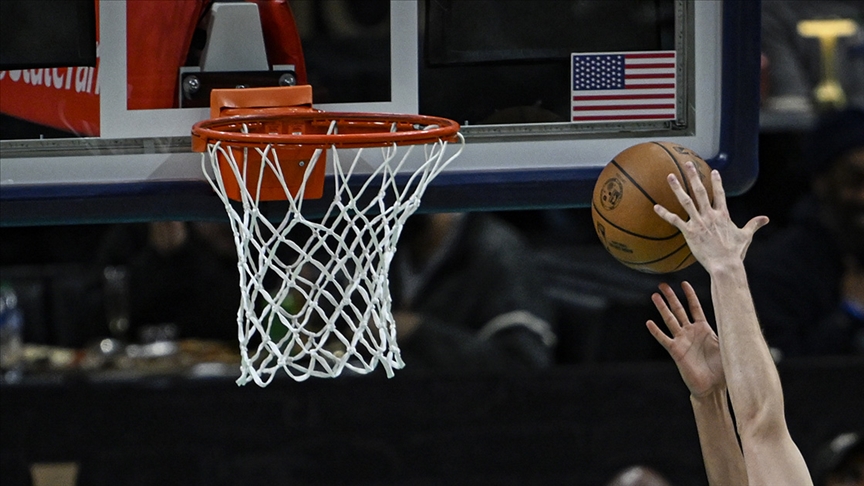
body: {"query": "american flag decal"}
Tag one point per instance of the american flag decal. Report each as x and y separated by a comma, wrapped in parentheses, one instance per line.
(624, 86)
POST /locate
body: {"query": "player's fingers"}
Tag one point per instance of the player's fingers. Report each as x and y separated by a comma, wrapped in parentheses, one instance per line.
(700, 194)
(693, 302)
(675, 305)
(752, 227)
(682, 196)
(719, 192)
(669, 217)
(659, 335)
(755, 223)
(668, 317)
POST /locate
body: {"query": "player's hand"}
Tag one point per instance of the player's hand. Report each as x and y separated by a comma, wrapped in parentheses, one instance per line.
(693, 344)
(711, 234)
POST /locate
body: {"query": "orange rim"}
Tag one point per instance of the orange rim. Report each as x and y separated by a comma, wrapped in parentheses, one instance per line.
(354, 130)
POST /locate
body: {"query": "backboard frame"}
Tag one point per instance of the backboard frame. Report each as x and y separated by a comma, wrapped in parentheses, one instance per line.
(180, 193)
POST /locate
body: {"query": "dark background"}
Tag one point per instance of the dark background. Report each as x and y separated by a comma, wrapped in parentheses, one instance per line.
(574, 425)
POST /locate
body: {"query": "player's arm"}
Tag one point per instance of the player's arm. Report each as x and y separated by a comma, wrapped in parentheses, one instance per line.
(724, 462)
(754, 384)
(694, 347)
(770, 455)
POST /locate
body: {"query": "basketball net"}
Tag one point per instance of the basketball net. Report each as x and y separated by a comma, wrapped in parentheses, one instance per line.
(315, 291)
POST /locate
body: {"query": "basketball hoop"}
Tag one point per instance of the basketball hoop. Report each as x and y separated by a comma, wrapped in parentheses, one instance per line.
(315, 296)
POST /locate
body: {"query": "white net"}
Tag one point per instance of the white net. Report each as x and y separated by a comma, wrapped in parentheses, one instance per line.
(315, 296)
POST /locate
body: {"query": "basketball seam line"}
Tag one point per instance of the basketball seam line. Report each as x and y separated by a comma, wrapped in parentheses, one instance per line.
(652, 238)
(689, 254)
(615, 162)
(677, 165)
(671, 253)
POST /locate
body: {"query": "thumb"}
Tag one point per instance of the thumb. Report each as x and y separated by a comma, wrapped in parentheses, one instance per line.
(751, 228)
(754, 224)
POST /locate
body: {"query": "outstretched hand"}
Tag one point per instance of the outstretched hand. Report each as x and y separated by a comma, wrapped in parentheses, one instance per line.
(693, 345)
(712, 236)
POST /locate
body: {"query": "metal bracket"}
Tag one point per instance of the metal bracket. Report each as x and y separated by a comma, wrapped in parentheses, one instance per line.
(196, 85)
(233, 57)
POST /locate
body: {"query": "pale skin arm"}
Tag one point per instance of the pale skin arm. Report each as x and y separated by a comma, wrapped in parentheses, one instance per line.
(696, 350)
(770, 455)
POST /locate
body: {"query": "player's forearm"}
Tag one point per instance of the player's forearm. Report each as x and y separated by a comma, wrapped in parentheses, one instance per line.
(751, 376)
(724, 462)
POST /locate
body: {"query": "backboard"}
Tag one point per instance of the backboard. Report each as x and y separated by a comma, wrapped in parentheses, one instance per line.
(111, 142)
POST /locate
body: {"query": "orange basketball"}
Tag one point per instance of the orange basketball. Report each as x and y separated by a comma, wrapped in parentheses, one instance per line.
(622, 206)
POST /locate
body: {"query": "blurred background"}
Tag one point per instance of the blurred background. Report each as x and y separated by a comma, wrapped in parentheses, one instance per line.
(119, 339)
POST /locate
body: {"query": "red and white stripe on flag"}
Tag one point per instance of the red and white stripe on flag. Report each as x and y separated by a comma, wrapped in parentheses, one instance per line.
(624, 86)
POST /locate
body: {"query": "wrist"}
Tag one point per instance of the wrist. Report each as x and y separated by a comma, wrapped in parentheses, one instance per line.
(732, 266)
(712, 402)
(710, 396)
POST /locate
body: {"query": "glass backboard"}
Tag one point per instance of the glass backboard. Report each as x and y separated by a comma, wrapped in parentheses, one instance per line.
(111, 142)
